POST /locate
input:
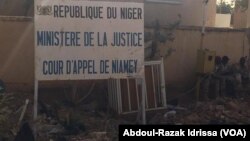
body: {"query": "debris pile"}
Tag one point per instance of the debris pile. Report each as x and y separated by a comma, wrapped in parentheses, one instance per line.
(11, 109)
(221, 111)
(85, 121)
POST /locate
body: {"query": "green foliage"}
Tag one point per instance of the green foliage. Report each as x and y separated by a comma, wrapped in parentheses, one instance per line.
(224, 8)
(158, 36)
(243, 4)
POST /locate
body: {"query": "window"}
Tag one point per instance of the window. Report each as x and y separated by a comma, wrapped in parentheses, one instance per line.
(165, 1)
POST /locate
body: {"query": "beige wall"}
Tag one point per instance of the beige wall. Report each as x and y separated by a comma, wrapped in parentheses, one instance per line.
(248, 15)
(223, 20)
(180, 65)
(17, 51)
(190, 11)
(16, 8)
(211, 10)
(239, 19)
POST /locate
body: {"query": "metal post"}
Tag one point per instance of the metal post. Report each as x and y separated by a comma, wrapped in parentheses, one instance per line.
(143, 100)
(35, 106)
(204, 11)
(204, 17)
(119, 95)
(137, 94)
(36, 100)
(129, 100)
(153, 79)
(163, 90)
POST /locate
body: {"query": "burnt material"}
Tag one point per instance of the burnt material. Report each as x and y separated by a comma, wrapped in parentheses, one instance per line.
(25, 133)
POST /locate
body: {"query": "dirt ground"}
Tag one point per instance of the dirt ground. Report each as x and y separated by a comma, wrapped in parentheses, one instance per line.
(61, 118)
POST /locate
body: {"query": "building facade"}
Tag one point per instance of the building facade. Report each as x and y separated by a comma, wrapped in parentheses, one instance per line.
(188, 12)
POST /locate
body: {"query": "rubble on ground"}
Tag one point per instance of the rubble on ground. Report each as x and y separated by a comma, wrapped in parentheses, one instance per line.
(86, 122)
(220, 111)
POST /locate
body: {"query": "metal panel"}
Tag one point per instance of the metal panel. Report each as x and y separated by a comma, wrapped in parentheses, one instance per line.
(156, 69)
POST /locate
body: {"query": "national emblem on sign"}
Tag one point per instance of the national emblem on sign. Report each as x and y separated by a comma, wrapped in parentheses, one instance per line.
(44, 10)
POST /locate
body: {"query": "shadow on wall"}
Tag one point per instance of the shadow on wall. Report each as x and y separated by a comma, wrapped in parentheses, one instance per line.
(158, 36)
(17, 8)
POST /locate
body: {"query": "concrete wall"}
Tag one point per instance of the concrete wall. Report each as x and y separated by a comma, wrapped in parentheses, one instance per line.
(17, 51)
(17, 8)
(180, 65)
(248, 15)
(239, 18)
(223, 20)
(191, 12)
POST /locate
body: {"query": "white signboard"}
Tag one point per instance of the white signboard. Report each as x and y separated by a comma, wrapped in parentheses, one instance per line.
(77, 39)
